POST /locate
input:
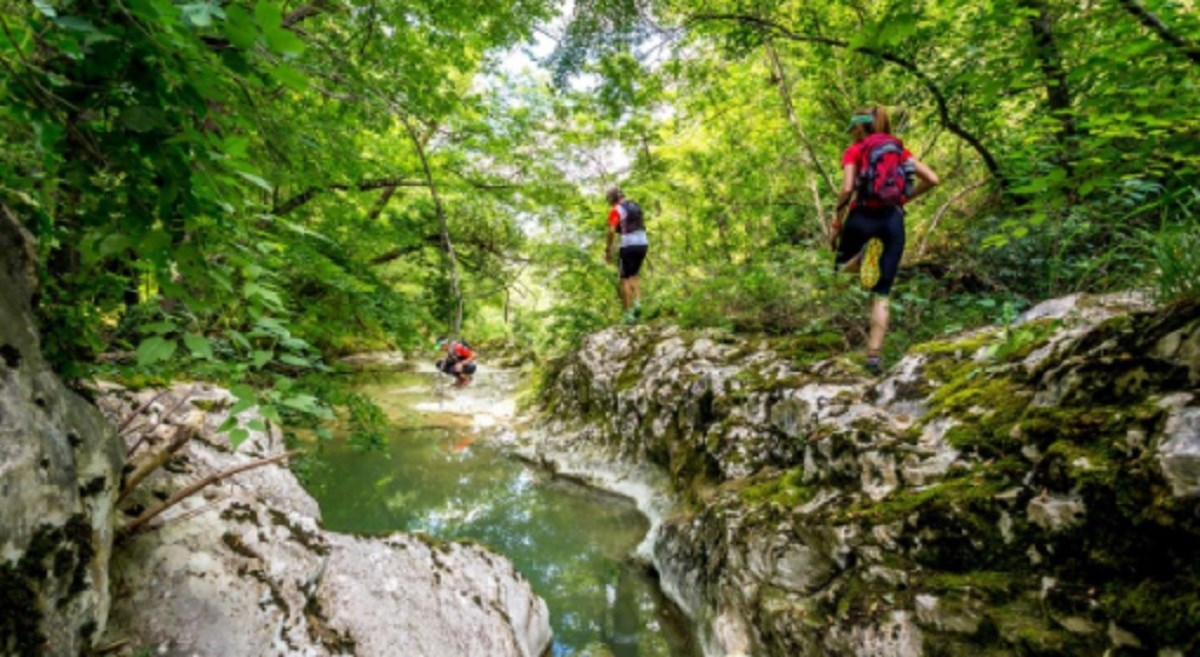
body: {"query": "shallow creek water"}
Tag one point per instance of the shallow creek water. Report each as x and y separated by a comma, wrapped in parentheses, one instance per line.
(439, 474)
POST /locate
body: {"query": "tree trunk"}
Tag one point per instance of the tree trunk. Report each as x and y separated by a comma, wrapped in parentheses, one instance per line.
(808, 154)
(455, 285)
(1058, 94)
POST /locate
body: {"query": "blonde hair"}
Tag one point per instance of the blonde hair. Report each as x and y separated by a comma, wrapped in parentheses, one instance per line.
(881, 123)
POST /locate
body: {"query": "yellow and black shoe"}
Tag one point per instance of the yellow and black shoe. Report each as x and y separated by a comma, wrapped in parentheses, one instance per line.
(868, 271)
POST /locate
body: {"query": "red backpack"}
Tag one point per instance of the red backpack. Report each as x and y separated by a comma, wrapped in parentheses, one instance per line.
(883, 177)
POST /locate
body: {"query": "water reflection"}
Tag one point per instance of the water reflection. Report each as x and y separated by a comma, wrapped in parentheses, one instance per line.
(570, 542)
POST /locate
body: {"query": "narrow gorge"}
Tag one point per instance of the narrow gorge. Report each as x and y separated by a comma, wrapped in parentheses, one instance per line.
(1022, 490)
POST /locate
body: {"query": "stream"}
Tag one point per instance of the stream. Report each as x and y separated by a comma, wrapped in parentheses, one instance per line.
(440, 474)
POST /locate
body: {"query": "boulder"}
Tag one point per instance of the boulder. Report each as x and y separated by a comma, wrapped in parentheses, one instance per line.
(815, 511)
(60, 464)
(244, 568)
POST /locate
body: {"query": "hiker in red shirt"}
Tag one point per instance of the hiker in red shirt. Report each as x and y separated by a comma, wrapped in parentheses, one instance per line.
(459, 361)
(877, 174)
(625, 219)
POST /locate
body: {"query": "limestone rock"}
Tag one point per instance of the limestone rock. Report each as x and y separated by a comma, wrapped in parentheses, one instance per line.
(820, 512)
(372, 361)
(60, 464)
(245, 569)
(1056, 513)
(1179, 453)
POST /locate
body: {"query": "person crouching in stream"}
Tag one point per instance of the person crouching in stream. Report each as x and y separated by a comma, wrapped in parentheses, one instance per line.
(459, 361)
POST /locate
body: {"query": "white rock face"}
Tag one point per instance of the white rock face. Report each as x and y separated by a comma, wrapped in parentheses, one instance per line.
(244, 568)
(816, 506)
(59, 467)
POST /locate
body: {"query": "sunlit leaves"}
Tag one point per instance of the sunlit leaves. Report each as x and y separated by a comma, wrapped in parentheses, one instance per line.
(153, 350)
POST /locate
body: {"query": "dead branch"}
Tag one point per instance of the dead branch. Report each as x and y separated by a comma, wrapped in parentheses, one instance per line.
(182, 435)
(162, 417)
(139, 523)
(941, 211)
(134, 415)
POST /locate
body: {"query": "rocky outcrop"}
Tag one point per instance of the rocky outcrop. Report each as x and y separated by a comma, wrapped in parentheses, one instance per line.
(1031, 489)
(245, 569)
(59, 468)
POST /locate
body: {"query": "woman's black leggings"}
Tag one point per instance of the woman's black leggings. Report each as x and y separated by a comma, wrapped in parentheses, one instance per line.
(887, 224)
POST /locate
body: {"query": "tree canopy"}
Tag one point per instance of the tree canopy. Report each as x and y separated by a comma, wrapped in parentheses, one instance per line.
(243, 189)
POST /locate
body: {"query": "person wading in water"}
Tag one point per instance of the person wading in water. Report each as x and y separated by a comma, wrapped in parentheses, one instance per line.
(459, 361)
(877, 173)
(625, 218)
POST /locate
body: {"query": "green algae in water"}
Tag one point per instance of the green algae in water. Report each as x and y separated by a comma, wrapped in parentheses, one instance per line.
(572, 543)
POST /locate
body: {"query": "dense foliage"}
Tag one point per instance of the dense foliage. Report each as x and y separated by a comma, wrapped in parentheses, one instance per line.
(241, 189)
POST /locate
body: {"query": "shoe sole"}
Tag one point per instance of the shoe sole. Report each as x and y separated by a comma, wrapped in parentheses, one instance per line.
(869, 270)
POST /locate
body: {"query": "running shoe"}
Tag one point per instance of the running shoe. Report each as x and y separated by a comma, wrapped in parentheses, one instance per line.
(868, 271)
(637, 309)
(875, 365)
(628, 317)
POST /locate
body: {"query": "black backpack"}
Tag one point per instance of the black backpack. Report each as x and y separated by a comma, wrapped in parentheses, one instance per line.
(633, 221)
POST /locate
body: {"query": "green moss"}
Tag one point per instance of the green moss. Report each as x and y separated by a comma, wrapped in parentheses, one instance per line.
(1167, 611)
(994, 584)
(958, 347)
(808, 348)
(785, 490)
(961, 490)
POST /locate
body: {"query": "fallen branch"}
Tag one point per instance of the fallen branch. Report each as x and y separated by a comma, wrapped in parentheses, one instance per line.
(134, 415)
(140, 522)
(182, 435)
(161, 417)
(937, 216)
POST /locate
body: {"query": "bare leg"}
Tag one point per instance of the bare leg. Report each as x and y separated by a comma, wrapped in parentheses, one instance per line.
(879, 324)
(626, 292)
(635, 290)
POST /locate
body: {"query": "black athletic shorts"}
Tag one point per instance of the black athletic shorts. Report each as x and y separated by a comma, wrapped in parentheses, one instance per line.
(448, 367)
(886, 224)
(630, 259)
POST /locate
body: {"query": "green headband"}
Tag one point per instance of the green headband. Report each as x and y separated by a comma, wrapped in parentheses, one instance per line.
(859, 119)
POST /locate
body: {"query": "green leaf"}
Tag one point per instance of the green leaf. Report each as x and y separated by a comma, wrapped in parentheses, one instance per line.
(237, 338)
(257, 180)
(199, 345)
(112, 244)
(256, 425)
(160, 328)
(269, 14)
(46, 8)
(75, 24)
(200, 14)
(243, 391)
(242, 405)
(290, 77)
(305, 403)
(143, 119)
(239, 27)
(260, 358)
(270, 413)
(295, 360)
(153, 350)
(237, 437)
(229, 423)
(283, 41)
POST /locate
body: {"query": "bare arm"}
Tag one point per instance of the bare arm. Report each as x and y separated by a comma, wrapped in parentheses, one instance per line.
(849, 176)
(927, 179)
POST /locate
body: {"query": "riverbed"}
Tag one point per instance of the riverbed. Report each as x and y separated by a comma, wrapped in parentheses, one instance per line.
(443, 473)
